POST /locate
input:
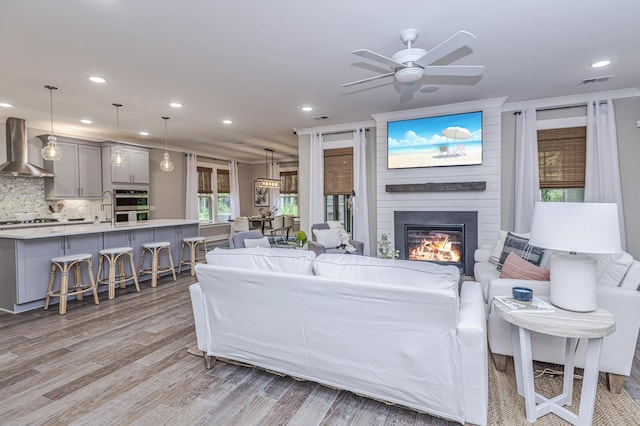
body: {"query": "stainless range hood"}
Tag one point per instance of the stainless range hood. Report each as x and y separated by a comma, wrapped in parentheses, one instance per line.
(17, 164)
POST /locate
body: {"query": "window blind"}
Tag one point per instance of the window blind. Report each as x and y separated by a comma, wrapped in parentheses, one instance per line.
(223, 181)
(338, 171)
(204, 180)
(289, 182)
(561, 157)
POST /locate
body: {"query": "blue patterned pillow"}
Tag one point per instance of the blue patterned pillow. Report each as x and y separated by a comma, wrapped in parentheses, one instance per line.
(521, 246)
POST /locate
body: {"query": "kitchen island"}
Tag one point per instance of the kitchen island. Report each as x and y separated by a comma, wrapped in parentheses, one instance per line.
(25, 253)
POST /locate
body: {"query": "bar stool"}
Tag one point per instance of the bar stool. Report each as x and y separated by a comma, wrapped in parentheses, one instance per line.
(115, 257)
(193, 244)
(155, 249)
(64, 264)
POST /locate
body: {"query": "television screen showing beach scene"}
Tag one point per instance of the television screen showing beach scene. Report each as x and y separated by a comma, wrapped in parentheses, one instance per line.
(448, 140)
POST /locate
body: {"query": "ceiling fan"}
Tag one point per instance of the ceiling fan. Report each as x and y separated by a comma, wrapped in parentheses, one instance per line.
(410, 64)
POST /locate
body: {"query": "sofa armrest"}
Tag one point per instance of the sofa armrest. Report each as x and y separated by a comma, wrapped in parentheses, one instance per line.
(359, 246)
(619, 348)
(472, 335)
(482, 254)
(199, 316)
(318, 249)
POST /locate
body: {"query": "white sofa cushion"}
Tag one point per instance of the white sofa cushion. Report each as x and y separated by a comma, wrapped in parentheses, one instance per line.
(390, 271)
(257, 242)
(328, 237)
(264, 259)
(496, 251)
(611, 268)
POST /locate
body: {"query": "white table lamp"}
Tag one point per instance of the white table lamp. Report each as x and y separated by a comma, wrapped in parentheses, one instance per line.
(573, 229)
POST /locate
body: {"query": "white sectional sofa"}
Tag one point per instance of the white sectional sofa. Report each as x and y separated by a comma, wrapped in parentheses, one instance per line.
(617, 292)
(393, 330)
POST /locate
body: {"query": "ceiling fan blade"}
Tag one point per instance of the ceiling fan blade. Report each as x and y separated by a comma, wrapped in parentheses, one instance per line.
(376, 57)
(453, 43)
(406, 92)
(364, 80)
(454, 70)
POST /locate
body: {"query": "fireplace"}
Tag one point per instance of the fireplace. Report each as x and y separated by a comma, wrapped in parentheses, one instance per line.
(448, 238)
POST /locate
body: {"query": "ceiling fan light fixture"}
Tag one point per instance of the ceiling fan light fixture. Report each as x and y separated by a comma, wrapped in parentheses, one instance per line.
(51, 152)
(601, 63)
(409, 74)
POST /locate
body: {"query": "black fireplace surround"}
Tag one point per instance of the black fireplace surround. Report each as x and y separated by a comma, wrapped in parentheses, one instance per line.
(467, 220)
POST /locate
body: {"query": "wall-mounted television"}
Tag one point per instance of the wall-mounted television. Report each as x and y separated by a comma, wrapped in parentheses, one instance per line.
(445, 140)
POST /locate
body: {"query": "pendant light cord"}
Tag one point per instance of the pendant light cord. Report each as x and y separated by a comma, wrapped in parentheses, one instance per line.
(117, 124)
(166, 146)
(51, 89)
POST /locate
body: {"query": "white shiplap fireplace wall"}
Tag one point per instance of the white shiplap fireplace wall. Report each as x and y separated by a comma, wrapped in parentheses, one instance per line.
(486, 203)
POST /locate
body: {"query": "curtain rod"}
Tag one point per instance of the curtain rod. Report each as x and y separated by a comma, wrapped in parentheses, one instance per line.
(560, 107)
(342, 132)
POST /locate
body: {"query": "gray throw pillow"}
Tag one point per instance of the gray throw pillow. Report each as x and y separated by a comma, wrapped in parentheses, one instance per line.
(521, 246)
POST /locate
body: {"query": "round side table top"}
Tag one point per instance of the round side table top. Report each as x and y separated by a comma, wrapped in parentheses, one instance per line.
(560, 322)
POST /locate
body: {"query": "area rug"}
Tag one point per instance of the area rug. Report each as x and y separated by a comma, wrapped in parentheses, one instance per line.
(506, 407)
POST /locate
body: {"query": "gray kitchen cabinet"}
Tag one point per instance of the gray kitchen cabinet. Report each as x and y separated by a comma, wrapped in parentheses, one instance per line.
(77, 173)
(133, 238)
(174, 235)
(136, 171)
(34, 268)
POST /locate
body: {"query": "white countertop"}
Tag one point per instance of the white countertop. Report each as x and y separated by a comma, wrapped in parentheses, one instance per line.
(88, 228)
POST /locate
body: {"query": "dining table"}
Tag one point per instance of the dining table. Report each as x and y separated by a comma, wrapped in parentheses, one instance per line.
(261, 221)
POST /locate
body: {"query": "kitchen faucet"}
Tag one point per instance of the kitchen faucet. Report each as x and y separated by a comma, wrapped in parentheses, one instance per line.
(108, 204)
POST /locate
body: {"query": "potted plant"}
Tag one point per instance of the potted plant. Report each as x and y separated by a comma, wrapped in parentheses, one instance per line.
(385, 248)
(301, 236)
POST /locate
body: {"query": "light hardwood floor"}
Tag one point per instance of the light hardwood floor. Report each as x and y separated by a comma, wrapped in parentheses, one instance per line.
(126, 362)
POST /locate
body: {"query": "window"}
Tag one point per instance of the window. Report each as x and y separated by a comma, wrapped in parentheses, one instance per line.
(561, 163)
(338, 185)
(205, 206)
(223, 196)
(289, 193)
(214, 204)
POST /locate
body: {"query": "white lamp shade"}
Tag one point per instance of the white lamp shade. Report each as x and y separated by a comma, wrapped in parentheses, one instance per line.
(576, 227)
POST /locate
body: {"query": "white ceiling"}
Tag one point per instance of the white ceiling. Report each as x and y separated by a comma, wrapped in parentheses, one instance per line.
(258, 62)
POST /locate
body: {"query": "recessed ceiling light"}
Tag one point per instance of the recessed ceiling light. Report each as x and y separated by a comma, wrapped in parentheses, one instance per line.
(307, 108)
(175, 105)
(601, 63)
(97, 79)
(143, 133)
(227, 121)
(86, 121)
(5, 105)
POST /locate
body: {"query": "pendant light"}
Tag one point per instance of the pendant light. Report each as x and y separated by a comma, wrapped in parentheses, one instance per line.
(166, 165)
(266, 182)
(118, 158)
(51, 151)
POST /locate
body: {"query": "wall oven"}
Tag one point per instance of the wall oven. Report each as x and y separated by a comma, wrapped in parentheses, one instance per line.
(131, 205)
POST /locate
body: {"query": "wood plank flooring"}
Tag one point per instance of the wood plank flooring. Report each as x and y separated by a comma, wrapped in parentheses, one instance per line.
(125, 361)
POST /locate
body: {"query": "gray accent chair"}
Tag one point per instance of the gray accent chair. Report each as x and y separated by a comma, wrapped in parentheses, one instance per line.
(318, 249)
(237, 240)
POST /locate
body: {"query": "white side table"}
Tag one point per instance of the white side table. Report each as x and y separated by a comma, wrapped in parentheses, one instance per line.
(593, 326)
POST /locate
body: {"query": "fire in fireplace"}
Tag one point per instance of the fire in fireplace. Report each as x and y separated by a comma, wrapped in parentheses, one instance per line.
(444, 237)
(434, 245)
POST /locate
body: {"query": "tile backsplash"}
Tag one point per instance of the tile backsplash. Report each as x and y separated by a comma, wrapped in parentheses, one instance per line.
(26, 195)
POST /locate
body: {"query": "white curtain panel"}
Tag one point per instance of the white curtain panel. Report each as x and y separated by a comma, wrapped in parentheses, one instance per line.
(191, 188)
(602, 169)
(316, 180)
(274, 193)
(234, 188)
(360, 201)
(527, 179)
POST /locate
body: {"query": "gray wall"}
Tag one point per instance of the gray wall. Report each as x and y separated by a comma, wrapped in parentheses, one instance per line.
(166, 189)
(627, 111)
